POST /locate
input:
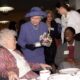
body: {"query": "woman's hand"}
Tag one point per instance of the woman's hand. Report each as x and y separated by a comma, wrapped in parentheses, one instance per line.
(44, 66)
(12, 76)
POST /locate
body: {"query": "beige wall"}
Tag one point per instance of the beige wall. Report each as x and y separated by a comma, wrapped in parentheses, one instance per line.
(75, 3)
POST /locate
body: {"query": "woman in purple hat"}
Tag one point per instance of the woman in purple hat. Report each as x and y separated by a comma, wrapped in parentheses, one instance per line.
(29, 37)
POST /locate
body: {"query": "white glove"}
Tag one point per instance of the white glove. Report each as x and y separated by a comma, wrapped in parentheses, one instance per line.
(37, 44)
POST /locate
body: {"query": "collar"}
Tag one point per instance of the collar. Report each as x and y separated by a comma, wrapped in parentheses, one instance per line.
(10, 49)
(72, 44)
(67, 15)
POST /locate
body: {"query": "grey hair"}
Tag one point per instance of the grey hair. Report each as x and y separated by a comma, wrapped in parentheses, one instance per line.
(4, 33)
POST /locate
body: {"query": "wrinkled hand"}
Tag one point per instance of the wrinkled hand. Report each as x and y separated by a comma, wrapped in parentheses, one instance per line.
(44, 66)
(12, 76)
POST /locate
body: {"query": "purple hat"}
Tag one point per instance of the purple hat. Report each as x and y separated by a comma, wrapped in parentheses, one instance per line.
(36, 11)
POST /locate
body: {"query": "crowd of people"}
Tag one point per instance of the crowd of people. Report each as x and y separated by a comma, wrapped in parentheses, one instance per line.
(36, 48)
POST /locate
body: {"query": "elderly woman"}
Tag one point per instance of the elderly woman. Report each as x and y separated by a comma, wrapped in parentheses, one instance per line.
(12, 63)
(29, 37)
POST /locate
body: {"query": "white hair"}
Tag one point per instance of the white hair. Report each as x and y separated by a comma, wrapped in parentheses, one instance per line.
(5, 34)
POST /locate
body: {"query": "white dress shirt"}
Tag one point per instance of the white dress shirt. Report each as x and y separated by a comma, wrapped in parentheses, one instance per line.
(73, 44)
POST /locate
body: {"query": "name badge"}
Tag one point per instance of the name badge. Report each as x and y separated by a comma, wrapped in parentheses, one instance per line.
(66, 52)
(52, 29)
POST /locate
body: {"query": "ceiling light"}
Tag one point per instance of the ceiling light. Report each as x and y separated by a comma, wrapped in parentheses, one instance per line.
(4, 21)
(6, 9)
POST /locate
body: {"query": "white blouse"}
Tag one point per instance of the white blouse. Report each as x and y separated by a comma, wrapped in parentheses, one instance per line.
(22, 64)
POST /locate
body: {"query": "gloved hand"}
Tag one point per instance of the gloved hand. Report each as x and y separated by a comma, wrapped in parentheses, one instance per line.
(33, 46)
(30, 46)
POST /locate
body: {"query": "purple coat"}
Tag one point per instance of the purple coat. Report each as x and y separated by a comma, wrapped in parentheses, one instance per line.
(30, 35)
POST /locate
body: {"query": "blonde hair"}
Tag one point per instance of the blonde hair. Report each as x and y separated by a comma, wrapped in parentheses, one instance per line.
(49, 11)
(5, 34)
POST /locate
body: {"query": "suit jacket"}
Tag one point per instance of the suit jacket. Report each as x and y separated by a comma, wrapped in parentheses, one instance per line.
(60, 56)
(8, 63)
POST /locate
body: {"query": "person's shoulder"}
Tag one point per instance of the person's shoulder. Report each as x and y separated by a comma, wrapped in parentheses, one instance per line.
(43, 23)
(73, 12)
(77, 42)
(58, 20)
(3, 50)
(26, 24)
(63, 45)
